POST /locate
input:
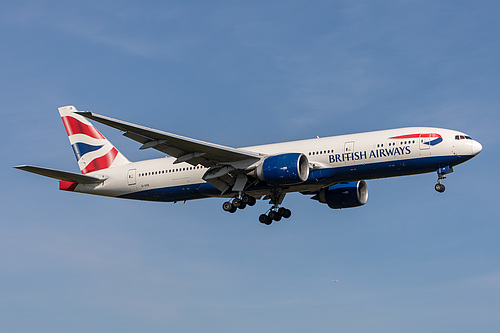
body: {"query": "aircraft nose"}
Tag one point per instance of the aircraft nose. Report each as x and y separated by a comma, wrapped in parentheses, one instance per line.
(476, 148)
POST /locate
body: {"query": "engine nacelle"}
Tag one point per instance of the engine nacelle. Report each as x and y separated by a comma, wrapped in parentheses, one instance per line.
(344, 195)
(284, 169)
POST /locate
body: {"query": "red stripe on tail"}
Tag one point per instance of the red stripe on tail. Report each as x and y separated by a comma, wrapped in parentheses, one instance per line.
(74, 126)
(102, 162)
(64, 185)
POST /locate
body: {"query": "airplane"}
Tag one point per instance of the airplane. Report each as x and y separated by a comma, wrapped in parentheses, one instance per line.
(332, 170)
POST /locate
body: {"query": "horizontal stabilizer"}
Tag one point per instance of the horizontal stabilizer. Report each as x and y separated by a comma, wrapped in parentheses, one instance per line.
(61, 175)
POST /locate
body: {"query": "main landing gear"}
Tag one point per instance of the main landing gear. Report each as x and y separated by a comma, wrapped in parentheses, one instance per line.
(276, 213)
(238, 203)
(442, 172)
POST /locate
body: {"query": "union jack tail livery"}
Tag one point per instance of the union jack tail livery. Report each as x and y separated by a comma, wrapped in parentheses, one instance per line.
(92, 150)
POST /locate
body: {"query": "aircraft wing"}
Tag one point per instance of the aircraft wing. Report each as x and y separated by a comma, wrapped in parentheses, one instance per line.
(227, 166)
(186, 149)
(61, 175)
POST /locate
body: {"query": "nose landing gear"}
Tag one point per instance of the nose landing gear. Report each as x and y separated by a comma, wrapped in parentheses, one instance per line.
(442, 172)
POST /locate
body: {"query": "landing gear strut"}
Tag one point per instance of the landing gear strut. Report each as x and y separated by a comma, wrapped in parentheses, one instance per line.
(442, 172)
(276, 213)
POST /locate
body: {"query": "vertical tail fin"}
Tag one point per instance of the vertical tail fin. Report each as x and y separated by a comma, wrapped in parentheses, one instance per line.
(92, 150)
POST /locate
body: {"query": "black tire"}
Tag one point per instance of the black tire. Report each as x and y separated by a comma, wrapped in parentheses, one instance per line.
(227, 206)
(249, 200)
(233, 209)
(242, 205)
(237, 203)
(264, 219)
(272, 215)
(286, 213)
(440, 188)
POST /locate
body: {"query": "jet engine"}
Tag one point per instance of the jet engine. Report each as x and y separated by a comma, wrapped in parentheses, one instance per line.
(344, 195)
(284, 169)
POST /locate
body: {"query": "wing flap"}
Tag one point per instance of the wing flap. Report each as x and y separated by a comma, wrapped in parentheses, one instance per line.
(61, 175)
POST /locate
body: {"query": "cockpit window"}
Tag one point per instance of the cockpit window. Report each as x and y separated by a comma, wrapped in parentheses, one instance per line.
(462, 137)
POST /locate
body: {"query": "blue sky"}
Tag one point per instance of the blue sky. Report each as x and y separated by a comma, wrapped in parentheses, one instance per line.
(248, 73)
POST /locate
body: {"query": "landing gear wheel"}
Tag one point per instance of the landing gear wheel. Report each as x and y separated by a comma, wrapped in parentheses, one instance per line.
(265, 219)
(286, 213)
(440, 188)
(238, 203)
(274, 215)
(249, 200)
(227, 206)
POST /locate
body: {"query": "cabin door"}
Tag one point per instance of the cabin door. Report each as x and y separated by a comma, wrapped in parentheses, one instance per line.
(131, 177)
(425, 141)
(349, 147)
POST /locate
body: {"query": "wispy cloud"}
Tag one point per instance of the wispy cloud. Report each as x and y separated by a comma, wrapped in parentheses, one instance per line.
(128, 30)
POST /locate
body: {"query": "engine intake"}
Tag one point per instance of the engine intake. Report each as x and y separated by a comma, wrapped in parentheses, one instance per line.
(284, 169)
(344, 195)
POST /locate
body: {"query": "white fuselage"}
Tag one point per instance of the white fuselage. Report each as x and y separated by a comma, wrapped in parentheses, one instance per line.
(335, 159)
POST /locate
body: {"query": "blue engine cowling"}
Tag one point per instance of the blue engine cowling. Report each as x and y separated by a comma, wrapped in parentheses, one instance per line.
(344, 195)
(284, 169)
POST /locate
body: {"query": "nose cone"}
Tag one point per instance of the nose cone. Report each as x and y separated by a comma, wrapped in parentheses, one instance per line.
(476, 148)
